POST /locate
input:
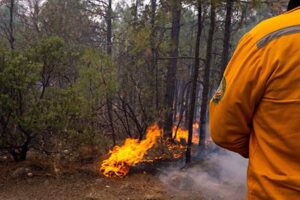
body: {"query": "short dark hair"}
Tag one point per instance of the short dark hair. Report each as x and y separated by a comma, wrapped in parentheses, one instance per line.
(293, 4)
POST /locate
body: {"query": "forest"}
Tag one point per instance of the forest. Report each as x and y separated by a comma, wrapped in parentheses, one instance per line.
(78, 78)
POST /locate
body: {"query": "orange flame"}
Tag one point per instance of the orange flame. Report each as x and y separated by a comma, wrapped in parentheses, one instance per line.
(131, 153)
(184, 134)
(196, 125)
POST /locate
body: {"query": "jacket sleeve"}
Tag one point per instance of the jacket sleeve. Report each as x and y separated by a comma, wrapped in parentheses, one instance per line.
(233, 105)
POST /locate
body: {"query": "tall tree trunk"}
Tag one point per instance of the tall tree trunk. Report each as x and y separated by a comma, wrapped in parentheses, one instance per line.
(190, 73)
(135, 13)
(154, 50)
(152, 22)
(227, 36)
(172, 68)
(11, 25)
(109, 52)
(187, 103)
(206, 78)
(109, 28)
(194, 86)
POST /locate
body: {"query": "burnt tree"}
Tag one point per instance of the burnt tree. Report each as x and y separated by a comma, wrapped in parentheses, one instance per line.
(172, 68)
(154, 53)
(206, 78)
(194, 85)
(227, 36)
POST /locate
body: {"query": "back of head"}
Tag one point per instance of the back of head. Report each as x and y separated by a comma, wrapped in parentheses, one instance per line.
(293, 4)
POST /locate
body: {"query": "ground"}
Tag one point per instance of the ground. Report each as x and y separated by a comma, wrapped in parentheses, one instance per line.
(27, 181)
(83, 185)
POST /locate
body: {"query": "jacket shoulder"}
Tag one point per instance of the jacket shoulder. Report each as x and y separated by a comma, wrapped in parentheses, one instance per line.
(269, 28)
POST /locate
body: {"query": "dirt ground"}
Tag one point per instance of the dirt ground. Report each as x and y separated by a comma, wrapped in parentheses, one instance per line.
(77, 187)
(84, 186)
(27, 181)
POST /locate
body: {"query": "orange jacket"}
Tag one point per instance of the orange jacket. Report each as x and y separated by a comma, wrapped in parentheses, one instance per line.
(256, 110)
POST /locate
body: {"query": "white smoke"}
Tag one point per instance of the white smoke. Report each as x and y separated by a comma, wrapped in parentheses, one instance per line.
(220, 176)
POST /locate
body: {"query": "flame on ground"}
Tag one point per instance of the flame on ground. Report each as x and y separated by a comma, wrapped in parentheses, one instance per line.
(133, 151)
(130, 153)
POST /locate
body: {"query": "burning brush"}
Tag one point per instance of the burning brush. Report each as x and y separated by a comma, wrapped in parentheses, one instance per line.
(133, 151)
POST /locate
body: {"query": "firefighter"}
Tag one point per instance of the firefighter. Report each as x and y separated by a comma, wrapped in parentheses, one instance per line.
(256, 109)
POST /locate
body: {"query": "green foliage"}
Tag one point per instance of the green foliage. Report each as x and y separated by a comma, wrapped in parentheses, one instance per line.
(66, 19)
(35, 97)
(97, 75)
(48, 51)
(18, 77)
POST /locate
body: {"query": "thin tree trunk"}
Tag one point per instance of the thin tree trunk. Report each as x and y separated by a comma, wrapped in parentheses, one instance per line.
(206, 78)
(109, 52)
(109, 28)
(11, 25)
(176, 101)
(187, 103)
(154, 50)
(153, 30)
(190, 72)
(181, 101)
(227, 36)
(194, 86)
(172, 69)
(136, 12)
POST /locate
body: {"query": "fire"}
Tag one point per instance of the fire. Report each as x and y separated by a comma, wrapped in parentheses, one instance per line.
(133, 151)
(130, 153)
(183, 134)
(196, 125)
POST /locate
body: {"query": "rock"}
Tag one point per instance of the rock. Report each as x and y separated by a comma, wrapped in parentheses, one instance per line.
(22, 172)
(66, 152)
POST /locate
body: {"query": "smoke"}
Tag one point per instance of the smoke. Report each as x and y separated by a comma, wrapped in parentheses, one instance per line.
(221, 175)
